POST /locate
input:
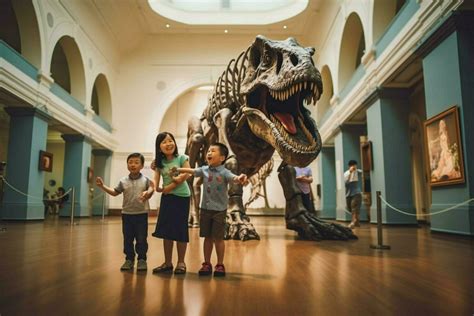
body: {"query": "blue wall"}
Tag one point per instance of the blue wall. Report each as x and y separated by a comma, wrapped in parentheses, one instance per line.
(448, 71)
(28, 133)
(328, 183)
(347, 147)
(102, 164)
(77, 159)
(387, 125)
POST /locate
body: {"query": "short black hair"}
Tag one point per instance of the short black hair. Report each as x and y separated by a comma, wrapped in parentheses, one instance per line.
(137, 155)
(352, 163)
(224, 151)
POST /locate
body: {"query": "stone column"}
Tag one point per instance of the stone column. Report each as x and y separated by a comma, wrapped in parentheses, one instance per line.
(28, 136)
(102, 164)
(77, 160)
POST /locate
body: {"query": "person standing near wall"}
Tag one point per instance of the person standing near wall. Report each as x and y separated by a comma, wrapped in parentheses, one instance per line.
(304, 178)
(353, 193)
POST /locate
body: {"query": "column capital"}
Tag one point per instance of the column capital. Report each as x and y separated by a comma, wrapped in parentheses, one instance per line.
(102, 152)
(386, 93)
(27, 111)
(75, 138)
(458, 20)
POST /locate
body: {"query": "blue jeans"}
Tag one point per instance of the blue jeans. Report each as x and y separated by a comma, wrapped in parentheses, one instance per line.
(135, 227)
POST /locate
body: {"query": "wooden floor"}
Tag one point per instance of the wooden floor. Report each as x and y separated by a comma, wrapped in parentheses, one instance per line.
(49, 268)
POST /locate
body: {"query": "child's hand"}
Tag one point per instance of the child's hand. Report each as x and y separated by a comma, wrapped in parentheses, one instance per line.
(144, 196)
(99, 182)
(242, 178)
(153, 165)
(158, 189)
(176, 179)
(174, 172)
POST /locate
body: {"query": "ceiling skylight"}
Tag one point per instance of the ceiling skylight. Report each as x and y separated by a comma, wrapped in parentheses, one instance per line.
(228, 12)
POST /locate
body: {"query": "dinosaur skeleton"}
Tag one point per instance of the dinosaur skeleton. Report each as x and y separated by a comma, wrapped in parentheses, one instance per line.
(258, 106)
(258, 182)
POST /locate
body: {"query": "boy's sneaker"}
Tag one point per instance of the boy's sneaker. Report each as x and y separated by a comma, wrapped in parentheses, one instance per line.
(127, 265)
(219, 270)
(206, 269)
(141, 265)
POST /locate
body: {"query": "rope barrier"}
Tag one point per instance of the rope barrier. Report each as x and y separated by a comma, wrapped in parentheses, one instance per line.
(98, 196)
(32, 196)
(434, 213)
(71, 190)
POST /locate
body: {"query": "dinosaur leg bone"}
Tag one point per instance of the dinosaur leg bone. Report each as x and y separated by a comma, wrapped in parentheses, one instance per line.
(239, 226)
(304, 221)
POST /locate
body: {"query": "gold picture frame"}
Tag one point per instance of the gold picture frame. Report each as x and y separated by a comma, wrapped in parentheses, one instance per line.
(45, 161)
(444, 155)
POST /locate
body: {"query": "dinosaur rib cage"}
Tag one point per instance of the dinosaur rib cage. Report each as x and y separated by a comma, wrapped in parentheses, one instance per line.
(227, 89)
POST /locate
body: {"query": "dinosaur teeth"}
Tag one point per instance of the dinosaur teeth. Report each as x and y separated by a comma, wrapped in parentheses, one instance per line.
(304, 85)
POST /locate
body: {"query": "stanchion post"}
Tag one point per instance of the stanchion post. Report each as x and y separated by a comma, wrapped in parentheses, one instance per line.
(103, 206)
(380, 244)
(2, 167)
(73, 202)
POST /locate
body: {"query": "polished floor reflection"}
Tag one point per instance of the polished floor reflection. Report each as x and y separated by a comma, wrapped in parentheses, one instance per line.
(50, 268)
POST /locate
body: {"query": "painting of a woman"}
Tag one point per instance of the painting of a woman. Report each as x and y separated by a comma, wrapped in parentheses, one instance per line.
(443, 141)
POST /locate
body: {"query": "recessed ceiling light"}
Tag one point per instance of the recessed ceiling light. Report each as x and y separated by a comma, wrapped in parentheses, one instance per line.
(167, 26)
(226, 31)
(285, 27)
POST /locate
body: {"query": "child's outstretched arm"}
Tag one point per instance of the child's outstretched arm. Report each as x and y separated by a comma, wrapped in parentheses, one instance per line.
(242, 179)
(185, 170)
(182, 175)
(109, 190)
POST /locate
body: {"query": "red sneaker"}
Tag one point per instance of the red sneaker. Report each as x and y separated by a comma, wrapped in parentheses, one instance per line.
(219, 270)
(206, 269)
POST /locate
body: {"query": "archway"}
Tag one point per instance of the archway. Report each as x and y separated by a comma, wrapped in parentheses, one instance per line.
(67, 68)
(191, 102)
(324, 102)
(384, 12)
(101, 100)
(20, 29)
(352, 49)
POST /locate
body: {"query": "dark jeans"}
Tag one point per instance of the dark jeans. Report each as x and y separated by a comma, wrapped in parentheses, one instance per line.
(135, 227)
(308, 204)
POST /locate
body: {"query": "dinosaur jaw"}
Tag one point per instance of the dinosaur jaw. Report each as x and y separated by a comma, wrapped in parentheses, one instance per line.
(273, 131)
(279, 117)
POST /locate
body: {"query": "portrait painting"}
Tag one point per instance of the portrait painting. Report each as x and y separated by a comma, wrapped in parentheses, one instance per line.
(444, 150)
(45, 161)
(90, 174)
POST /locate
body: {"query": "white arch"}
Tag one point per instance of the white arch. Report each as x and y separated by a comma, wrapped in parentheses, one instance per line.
(167, 101)
(328, 91)
(76, 66)
(29, 32)
(105, 97)
(382, 13)
(351, 33)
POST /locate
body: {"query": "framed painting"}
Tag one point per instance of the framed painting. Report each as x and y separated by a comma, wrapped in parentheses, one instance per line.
(90, 174)
(45, 161)
(444, 150)
(366, 156)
